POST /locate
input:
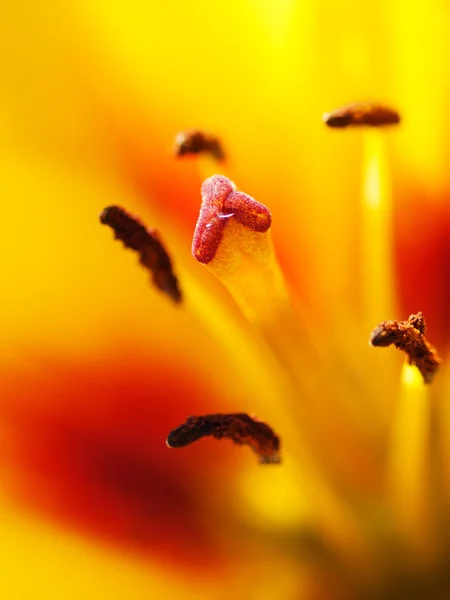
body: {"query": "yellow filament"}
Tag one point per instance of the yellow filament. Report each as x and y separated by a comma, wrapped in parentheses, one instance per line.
(378, 288)
(409, 468)
(377, 266)
(443, 411)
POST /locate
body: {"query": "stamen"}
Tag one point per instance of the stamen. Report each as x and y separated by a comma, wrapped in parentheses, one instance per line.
(409, 477)
(197, 142)
(377, 277)
(152, 254)
(232, 238)
(409, 336)
(361, 114)
(238, 427)
(377, 272)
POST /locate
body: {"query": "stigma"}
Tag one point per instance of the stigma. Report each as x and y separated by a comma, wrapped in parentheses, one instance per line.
(222, 202)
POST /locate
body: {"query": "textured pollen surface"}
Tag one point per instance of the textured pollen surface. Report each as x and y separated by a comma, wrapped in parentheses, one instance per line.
(361, 114)
(409, 336)
(221, 201)
(198, 142)
(238, 427)
(152, 254)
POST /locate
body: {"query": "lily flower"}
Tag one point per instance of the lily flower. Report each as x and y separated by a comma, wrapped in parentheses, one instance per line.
(312, 137)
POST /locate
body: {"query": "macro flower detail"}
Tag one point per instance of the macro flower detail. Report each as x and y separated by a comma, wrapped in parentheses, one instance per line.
(282, 239)
(409, 336)
(238, 427)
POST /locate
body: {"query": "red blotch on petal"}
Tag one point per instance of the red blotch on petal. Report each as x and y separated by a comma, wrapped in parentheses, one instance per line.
(423, 261)
(86, 448)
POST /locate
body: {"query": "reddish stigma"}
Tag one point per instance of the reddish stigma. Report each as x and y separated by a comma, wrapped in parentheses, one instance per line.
(221, 201)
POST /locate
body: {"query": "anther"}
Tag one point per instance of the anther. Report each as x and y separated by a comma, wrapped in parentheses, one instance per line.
(409, 336)
(238, 427)
(152, 253)
(361, 114)
(197, 142)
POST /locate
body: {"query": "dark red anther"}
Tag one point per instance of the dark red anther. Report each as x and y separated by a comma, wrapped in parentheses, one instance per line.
(361, 114)
(238, 427)
(197, 142)
(409, 336)
(152, 254)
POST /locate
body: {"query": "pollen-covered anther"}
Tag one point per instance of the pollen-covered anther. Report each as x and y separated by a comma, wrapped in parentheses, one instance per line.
(361, 114)
(409, 336)
(148, 245)
(220, 203)
(238, 427)
(198, 142)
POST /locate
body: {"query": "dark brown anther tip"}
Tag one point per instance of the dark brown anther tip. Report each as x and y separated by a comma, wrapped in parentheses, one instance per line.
(104, 215)
(198, 142)
(409, 336)
(361, 114)
(381, 338)
(147, 244)
(192, 430)
(238, 427)
(115, 217)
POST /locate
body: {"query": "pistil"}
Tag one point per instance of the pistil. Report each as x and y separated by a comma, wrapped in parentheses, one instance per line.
(232, 238)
